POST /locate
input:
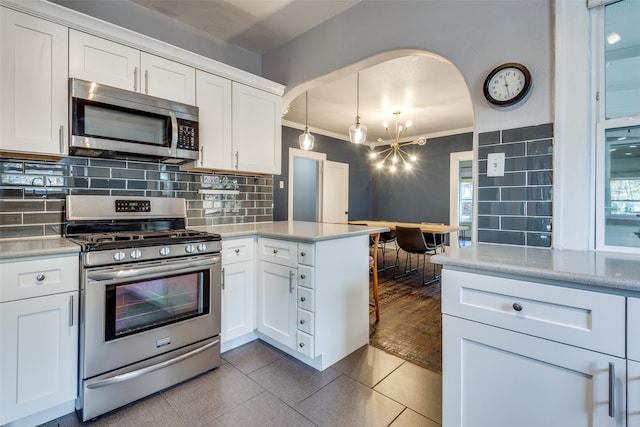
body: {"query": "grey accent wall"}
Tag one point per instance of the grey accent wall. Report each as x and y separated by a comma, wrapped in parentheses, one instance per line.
(517, 209)
(421, 195)
(32, 192)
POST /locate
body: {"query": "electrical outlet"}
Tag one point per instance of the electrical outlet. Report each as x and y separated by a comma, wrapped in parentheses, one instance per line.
(495, 164)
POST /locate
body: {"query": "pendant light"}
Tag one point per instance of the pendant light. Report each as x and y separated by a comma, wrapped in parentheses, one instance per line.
(358, 132)
(306, 139)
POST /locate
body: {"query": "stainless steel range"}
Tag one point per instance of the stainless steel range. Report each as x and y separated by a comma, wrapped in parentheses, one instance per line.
(150, 298)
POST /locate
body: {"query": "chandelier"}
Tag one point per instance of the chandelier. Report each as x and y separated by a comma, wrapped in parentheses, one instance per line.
(395, 156)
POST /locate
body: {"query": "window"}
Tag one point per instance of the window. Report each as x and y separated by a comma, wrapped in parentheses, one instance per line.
(618, 129)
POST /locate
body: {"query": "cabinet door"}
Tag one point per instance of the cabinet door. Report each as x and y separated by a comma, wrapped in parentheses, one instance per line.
(39, 354)
(168, 79)
(633, 393)
(33, 85)
(494, 377)
(238, 300)
(257, 130)
(102, 61)
(213, 97)
(277, 302)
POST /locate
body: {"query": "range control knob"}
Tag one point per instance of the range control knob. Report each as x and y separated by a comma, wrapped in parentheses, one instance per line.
(119, 256)
(164, 251)
(135, 254)
(190, 249)
(202, 247)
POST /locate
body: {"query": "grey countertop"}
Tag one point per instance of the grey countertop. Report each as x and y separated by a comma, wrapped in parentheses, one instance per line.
(292, 230)
(587, 268)
(36, 246)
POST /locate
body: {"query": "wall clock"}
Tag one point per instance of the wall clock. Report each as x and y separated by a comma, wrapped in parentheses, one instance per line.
(507, 84)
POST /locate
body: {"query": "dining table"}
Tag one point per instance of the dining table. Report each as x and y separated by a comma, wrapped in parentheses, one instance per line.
(425, 227)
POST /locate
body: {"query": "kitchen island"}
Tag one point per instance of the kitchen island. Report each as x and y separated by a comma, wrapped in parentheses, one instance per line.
(554, 327)
(302, 287)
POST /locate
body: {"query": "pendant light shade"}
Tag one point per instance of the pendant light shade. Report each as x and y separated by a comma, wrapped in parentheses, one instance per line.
(306, 139)
(358, 131)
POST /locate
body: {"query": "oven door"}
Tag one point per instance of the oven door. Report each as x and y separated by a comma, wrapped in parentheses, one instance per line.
(138, 311)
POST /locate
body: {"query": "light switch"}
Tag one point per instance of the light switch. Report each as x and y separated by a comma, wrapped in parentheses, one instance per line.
(495, 164)
(281, 184)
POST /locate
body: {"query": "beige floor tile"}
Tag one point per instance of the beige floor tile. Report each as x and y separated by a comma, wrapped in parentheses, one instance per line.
(151, 412)
(409, 418)
(368, 365)
(291, 380)
(346, 402)
(416, 388)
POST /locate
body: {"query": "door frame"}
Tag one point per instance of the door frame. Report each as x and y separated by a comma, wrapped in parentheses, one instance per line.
(312, 155)
(454, 185)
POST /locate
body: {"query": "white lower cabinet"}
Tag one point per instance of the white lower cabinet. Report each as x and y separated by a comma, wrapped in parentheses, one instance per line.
(39, 340)
(520, 352)
(277, 302)
(498, 378)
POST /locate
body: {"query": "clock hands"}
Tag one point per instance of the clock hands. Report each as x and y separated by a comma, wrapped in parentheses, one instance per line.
(506, 84)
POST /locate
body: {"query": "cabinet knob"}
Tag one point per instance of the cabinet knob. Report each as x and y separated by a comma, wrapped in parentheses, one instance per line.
(302, 276)
(301, 344)
(303, 299)
(40, 277)
(237, 251)
(275, 251)
(303, 254)
(302, 321)
(517, 307)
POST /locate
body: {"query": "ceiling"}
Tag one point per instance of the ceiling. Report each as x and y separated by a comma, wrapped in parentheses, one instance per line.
(426, 89)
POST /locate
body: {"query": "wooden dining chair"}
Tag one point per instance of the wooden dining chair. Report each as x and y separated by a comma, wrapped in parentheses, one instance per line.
(373, 272)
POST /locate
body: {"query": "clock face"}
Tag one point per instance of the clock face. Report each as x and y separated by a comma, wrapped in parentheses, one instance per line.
(507, 84)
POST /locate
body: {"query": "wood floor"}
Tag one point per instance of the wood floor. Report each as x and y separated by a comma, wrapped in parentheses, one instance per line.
(410, 325)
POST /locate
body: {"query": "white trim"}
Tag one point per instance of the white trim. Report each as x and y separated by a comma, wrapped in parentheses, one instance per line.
(88, 24)
(454, 185)
(313, 155)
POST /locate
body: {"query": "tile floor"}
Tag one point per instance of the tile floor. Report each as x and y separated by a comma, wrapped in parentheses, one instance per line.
(258, 385)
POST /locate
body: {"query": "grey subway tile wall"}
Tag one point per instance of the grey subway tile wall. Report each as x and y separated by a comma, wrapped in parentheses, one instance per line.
(32, 192)
(516, 209)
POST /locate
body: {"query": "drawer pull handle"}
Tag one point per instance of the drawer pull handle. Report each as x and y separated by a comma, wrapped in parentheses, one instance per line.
(275, 251)
(40, 277)
(303, 254)
(302, 276)
(303, 299)
(517, 307)
(237, 251)
(302, 321)
(301, 344)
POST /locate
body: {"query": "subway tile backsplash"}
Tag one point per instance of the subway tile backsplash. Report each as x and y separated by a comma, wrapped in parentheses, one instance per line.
(32, 192)
(516, 209)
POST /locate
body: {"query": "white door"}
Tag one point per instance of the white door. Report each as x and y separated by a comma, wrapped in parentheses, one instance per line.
(335, 192)
(498, 378)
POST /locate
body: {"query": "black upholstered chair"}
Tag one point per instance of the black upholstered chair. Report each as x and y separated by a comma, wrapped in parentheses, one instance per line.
(385, 238)
(411, 240)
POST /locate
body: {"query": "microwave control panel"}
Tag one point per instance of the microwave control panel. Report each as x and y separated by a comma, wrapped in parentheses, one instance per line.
(188, 137)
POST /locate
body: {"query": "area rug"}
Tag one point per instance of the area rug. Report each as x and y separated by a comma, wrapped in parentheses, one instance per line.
(410, 325)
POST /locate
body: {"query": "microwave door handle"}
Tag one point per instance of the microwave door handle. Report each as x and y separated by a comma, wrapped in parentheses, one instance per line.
(174, 134)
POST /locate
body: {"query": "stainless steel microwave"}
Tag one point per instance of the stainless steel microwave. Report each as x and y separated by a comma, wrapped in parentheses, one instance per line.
(115, 123)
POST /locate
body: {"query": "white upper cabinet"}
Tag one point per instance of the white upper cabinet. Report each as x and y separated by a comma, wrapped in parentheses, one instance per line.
(33, 84)
(103, 61)
(213, 97)
(257, 131)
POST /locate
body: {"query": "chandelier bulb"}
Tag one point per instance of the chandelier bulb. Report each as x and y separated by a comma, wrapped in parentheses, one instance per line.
(373, 155)
(413, 158)
(392, 168)
(380, 165)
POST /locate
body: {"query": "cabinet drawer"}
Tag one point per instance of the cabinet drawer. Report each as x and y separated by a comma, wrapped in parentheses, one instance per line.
(586, 319)
(34, 277)
(306, 253)
(305, 276)
(278, 251)
(304, 343)
(306, 322)
(305, 298)
(237, 250)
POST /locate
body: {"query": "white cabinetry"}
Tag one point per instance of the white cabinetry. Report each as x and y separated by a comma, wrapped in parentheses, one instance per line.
(633, 362)
(238, 290)
(277, 290)
(33, 85)
(39, 341)
(506, 358)
(102, 61)
(213, 98)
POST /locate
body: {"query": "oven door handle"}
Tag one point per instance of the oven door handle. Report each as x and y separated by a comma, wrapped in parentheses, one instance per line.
(142, 272)
(143, 371)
